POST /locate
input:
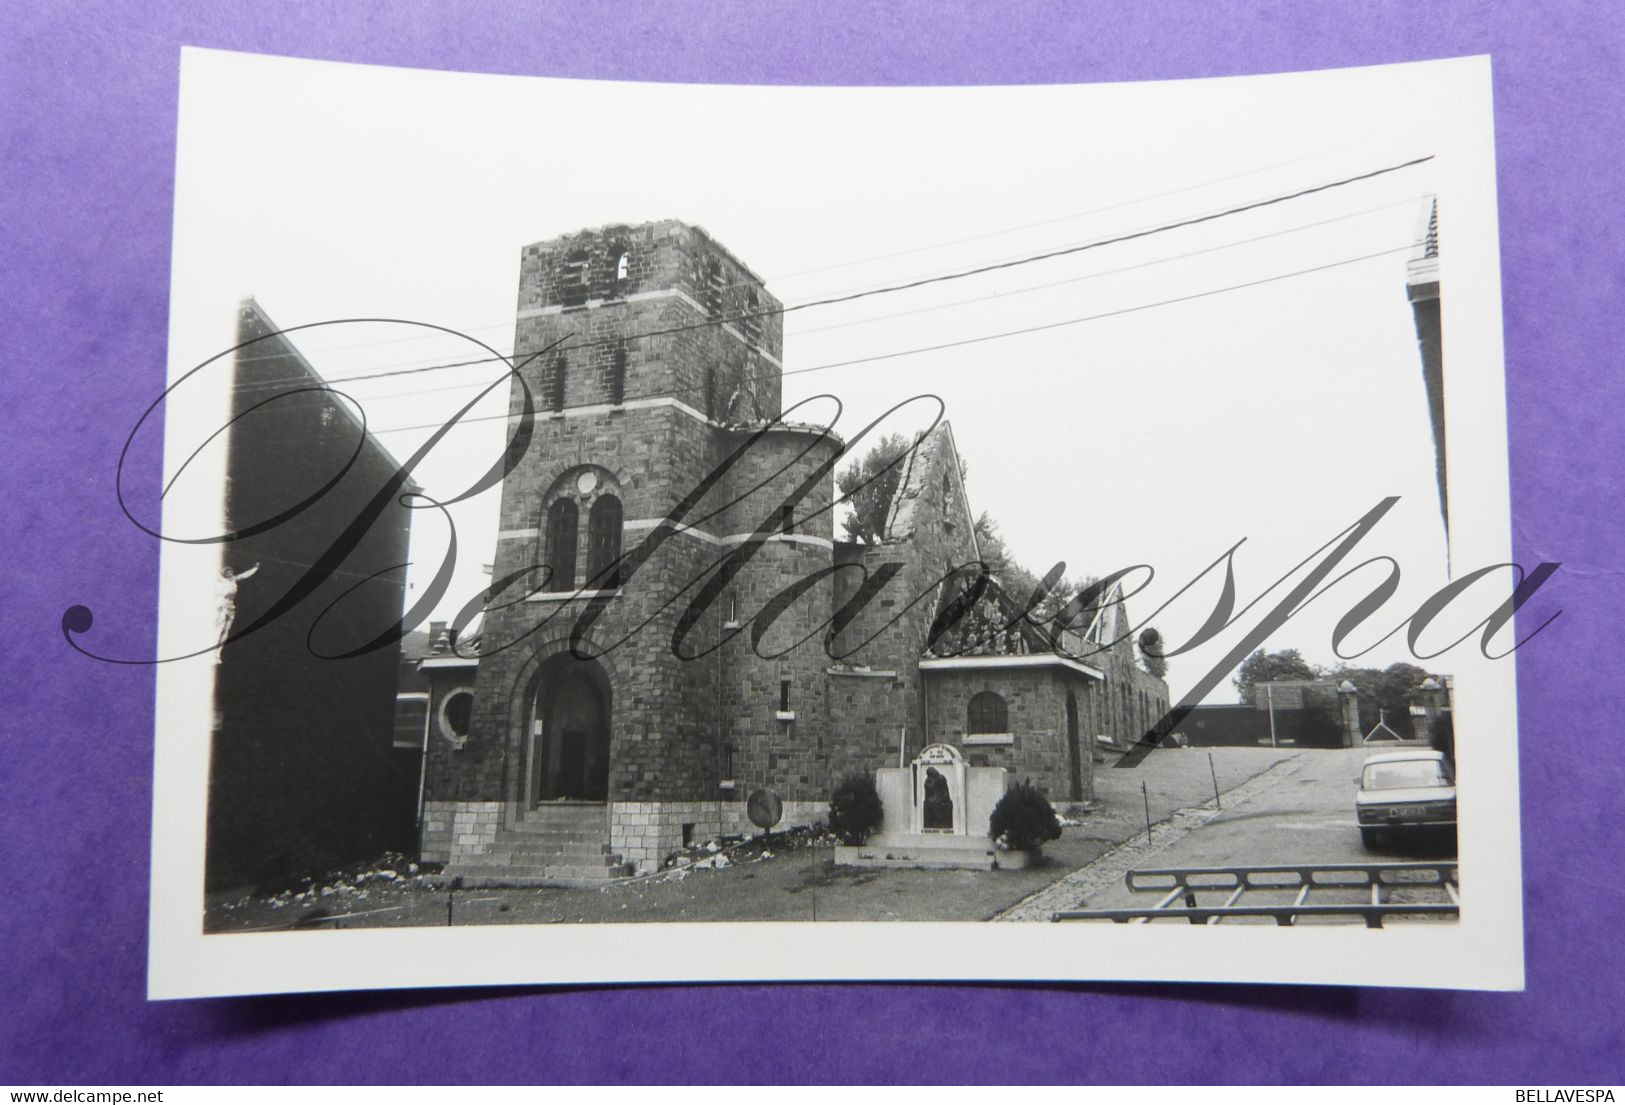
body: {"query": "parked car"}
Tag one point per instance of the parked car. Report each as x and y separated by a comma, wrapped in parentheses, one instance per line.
(1405, 792)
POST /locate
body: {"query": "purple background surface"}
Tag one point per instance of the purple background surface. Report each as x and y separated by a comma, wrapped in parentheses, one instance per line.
(87, 110)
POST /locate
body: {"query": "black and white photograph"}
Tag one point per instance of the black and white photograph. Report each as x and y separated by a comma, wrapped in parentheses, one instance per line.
(621, 532)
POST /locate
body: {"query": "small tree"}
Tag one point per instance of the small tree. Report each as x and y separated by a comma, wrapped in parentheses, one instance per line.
(1020, 585)
(1023, 819)
(854, 809)
(1265, 667)
(991, 543)
(1385, 693)
(1151, 657)
(871, 484)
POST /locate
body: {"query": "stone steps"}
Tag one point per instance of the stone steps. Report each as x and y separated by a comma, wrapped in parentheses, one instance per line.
(593, 838)
(552, 833)
(545, 814)
(542, 816)
(552, 845)
(580, 856)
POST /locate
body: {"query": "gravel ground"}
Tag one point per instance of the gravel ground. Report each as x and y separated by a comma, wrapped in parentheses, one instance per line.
(779, 883)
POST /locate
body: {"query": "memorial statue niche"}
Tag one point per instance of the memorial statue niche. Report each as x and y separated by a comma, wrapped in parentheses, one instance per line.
(939, 803)
(934, 814)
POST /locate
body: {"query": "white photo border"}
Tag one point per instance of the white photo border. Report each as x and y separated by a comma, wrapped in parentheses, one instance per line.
(1484, 950)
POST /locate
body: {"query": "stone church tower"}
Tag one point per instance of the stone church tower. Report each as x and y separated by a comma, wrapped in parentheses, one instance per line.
(673, 624)
(662, 373)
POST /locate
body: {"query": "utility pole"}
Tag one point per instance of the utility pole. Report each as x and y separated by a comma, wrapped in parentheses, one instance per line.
(1269, 694)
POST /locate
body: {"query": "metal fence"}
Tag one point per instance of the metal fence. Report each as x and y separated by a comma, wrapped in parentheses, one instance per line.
(1362, 890)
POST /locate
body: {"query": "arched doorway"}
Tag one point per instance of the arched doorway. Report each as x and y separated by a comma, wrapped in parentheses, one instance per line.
(569, 752)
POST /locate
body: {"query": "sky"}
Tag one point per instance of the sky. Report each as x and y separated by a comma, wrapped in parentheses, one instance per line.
(1251, 378)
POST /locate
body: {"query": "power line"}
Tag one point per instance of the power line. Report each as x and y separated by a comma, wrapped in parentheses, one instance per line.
(1012, 292)
(960, 274)
(1130, 236)
(1053, 221)
(1105, 314)
(992, 337)
(1105, 272)
(942, 244)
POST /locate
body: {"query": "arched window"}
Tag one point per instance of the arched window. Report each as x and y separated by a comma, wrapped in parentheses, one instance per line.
(604, 543)
(987, 714)
(563, 519)
(573, 278)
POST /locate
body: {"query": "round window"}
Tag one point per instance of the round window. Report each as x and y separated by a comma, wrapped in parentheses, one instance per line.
(586, 482)
(456, 711)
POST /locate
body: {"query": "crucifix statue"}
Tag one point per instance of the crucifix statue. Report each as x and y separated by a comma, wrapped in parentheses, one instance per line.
(225, 600)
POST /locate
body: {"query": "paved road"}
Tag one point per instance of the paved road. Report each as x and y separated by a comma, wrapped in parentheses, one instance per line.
(1302, 811)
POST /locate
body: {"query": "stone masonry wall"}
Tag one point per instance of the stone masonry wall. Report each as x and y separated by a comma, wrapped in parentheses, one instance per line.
(459, 832)
(696, 324)
(771, 709)
(867, 719)
(445, 752)
(869, 709)
(660, 316)
(1035, 702)
(1132, 700)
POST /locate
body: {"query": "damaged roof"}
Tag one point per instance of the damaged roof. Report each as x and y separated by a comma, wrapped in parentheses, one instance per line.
(936, 444)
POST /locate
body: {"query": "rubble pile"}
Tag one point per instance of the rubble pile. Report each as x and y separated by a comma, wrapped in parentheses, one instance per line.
(391, 871)
(727, 851)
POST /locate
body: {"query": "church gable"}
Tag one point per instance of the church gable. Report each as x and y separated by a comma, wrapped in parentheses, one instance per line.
(930, 492)
(930, 530)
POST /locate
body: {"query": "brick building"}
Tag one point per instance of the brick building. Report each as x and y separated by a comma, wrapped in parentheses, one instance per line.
(682, 626)
(304, 768)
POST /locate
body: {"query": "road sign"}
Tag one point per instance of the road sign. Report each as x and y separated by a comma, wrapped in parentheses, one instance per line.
(764, 808)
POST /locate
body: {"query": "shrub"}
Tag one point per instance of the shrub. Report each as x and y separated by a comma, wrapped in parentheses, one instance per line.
(854, 809)
(1023, 819)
